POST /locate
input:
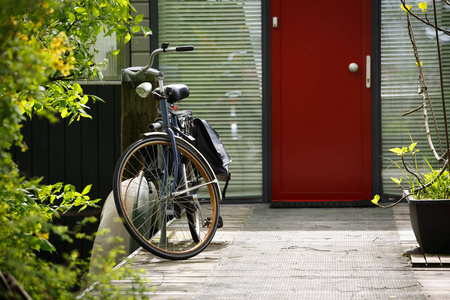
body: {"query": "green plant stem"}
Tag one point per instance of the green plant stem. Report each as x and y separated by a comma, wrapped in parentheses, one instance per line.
(412, 173)
(418, 189)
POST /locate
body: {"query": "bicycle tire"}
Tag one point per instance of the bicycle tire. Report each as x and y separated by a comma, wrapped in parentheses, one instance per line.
(168, 226)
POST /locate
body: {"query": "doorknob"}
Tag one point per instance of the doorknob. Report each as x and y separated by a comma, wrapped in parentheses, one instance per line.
(353, 67)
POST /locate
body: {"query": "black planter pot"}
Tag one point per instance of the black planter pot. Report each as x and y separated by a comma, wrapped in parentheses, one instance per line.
(430, 220)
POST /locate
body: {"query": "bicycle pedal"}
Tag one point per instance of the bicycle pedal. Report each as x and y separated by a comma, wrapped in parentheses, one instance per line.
(207, 222)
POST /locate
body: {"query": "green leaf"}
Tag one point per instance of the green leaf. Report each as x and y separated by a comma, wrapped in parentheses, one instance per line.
(399, 151)
(407, 9)
(95, 12)
(146, 30)
(84, 100)
(72, 119)
(138, 19)
(46, 245)
(375, 199)
(423, 6)
(80, 235)
(98, 30)
(397, 181)
(115, 52)
(65, 113)
(77, 88)
(84, 114)
(71, 17)
(80, 9)
(96, 98)
(87, 189)
(127, 38)
(136, 28)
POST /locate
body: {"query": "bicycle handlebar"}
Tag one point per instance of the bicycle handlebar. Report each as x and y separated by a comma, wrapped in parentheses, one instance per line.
(164, 48)
(184, 48)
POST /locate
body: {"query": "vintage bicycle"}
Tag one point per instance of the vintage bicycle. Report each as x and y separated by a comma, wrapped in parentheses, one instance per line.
(167, 190)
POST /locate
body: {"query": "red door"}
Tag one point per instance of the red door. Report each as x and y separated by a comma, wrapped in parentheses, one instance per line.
(321, 111)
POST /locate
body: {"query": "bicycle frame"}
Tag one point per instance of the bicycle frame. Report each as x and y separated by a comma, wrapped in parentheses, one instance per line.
(166, 125)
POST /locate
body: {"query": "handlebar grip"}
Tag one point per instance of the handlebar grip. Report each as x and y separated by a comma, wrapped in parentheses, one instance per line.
(184, 48)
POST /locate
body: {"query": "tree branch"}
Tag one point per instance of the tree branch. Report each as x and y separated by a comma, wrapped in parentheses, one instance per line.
(424, 91)
(447, 32)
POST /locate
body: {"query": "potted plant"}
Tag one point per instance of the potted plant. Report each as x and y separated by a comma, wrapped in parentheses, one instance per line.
(427, 188)
(428, 194)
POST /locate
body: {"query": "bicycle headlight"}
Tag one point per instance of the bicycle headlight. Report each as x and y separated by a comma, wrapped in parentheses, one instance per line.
(144, 89)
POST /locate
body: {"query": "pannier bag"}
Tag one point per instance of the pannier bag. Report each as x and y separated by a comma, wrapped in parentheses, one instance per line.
(207, 141)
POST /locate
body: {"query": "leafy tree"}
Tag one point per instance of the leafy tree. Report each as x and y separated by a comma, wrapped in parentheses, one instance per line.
(46, 46)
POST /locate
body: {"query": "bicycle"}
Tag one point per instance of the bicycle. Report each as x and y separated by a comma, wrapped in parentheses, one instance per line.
(164, 188)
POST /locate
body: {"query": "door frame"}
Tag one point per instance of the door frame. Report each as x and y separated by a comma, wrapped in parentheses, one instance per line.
(267, 101)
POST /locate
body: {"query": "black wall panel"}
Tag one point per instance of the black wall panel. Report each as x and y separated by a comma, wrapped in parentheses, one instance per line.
(81, 153)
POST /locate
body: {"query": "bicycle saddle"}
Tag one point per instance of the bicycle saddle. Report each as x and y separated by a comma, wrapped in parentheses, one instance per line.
(174, 92)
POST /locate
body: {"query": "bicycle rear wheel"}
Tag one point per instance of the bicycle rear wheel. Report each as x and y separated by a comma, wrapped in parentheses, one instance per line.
(167, 219)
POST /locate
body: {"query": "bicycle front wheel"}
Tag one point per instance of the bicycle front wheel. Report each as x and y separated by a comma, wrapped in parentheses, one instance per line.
(170, 204)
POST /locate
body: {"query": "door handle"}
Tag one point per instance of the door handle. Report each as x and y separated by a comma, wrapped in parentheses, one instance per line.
(368, 71)
(353, 67)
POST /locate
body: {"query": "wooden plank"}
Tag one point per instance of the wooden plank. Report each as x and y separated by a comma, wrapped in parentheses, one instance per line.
(433, 295)
(117, 105)
(73, 154)
(182, 279)
(445, 259)
(436, 284)
(39, 149)
(24, 158)
(90, 136)
(107, 157)
(432, 259)
(57, 152)
(418, 259)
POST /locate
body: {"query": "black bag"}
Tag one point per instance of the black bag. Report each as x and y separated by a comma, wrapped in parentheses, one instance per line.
(207, 141)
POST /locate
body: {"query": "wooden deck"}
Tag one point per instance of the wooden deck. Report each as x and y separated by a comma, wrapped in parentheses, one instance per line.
(183, 279)
(431, 270)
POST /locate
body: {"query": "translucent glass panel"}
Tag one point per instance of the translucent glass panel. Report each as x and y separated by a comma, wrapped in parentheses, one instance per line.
(224, 75)
(399, 82)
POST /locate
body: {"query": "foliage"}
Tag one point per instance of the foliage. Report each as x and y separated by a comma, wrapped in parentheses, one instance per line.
(45, 47)
(56, 46)
(422, 182)
(104, 285)
(425, 185)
